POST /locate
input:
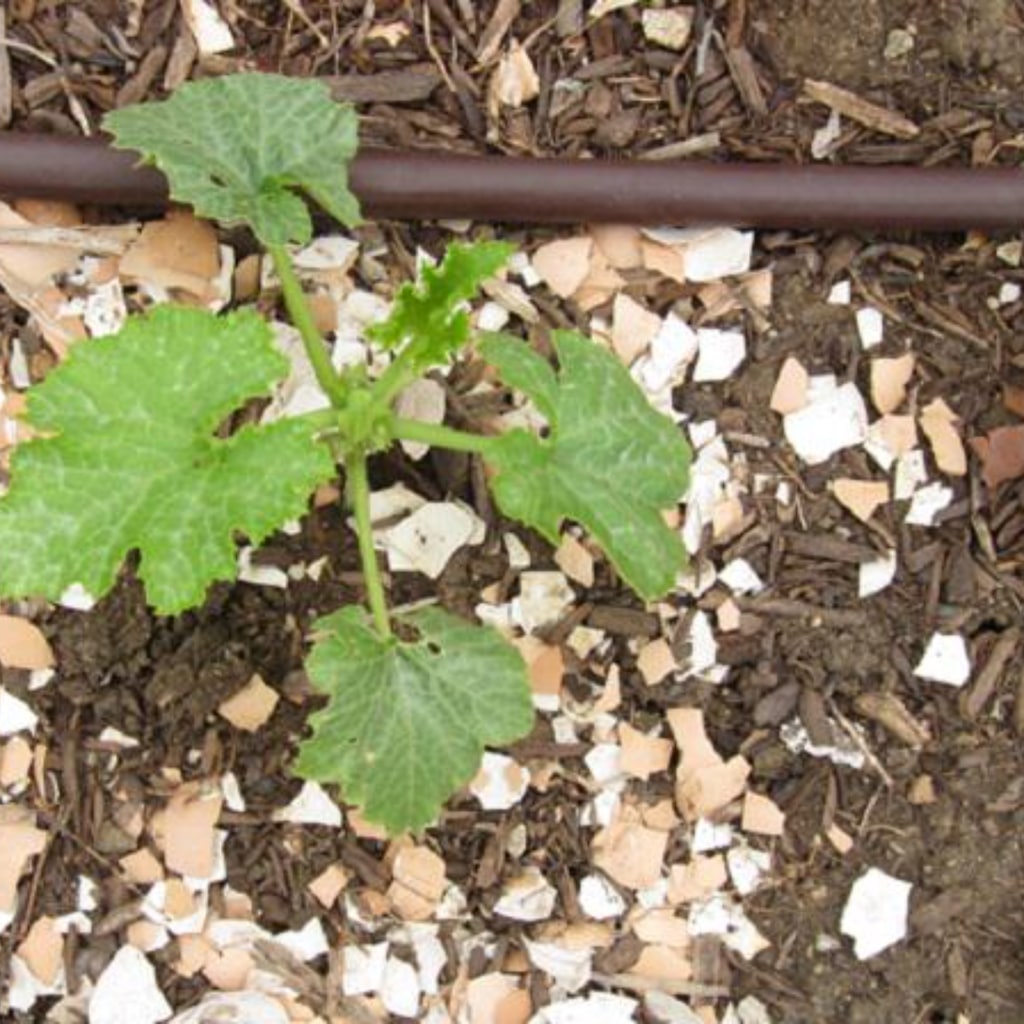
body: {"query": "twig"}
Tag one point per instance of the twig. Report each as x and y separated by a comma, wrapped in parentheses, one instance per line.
(854, 735)
(105, 243)
(639, 983)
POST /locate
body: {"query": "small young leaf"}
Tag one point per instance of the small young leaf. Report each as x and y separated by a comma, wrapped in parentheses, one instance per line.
(234, 148)
(407, 722)
(129, 460)
(427, 315)
(611, 461)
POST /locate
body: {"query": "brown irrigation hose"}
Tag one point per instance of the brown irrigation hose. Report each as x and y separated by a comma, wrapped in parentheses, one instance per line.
(425, 186)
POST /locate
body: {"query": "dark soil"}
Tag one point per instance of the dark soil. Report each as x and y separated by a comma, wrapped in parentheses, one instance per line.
(161, 679)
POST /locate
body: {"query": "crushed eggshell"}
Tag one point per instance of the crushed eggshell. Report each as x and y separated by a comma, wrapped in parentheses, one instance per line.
(643, 755)
(210, 30)
(426, 540)
(329, 884)
(861, 497)
(945, 660)
(575, 561)
(870, 327)
(599, 899)
(761, 815)
(563, 265)
(127, 992)
(15, 762)
(15, 715)
(835, 418)
(876, 913)
(790, 391)
(889, 380)
(926, 503)
(876, 574)
(500, 783)
(189, 822)
(696, 879)
(311, 806)
(938, 422)
(656, 662)
(527, 897)
(633, 328)
(515, 79)
(630, 854)
(719, 354)
(251, 707)
(418, 883)
(544, 597)
(22, 644)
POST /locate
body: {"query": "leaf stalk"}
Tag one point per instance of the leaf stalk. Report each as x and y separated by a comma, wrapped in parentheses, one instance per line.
(358, 487)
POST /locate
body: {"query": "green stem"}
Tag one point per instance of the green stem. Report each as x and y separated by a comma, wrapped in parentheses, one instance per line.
(437, 436)
(302, 317)
(386, 388)
(358, 486)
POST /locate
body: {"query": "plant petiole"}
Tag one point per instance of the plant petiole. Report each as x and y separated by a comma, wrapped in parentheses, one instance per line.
(438, 436)
(302, 316)
(357, 486)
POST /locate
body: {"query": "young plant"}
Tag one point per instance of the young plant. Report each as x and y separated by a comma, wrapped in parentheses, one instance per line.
(132, 455)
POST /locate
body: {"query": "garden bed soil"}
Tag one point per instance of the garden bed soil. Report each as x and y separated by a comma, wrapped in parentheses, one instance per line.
(161, 680)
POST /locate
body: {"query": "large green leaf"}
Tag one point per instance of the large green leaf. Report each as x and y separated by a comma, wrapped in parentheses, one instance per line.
(235, 147)
(610, 462)
(427, 316)
(407, 721)
(129, 460)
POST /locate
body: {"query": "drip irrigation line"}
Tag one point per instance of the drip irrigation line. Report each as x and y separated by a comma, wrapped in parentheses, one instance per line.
(437, 185)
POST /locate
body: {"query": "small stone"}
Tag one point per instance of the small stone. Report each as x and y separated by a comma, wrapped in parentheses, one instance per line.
(899, 44)
(668, 28)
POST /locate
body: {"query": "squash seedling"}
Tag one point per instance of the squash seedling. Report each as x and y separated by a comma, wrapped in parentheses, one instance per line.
(130, 454)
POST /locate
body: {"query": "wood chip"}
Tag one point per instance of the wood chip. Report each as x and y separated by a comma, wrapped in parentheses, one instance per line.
(22, 645)
(411, 84)
(1002, 454)
(861, 497)
(938, 422)
(419, 883)
(889, 379)
(761, 815)
(894, 716)
(850, 105)
(250, 709)
(505, 12)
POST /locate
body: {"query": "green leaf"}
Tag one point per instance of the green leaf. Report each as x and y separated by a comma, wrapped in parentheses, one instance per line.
(234, 148)
(610, 462)
(428, 315)
(129, 461)
(407, 722)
